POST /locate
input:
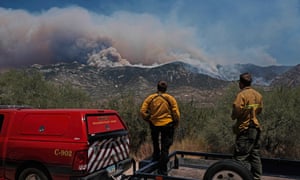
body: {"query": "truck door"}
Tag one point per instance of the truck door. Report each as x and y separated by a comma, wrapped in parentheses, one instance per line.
(2, 139)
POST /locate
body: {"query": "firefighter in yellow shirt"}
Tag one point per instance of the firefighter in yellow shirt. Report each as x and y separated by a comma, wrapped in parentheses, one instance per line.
(161, 111)
(247, 105)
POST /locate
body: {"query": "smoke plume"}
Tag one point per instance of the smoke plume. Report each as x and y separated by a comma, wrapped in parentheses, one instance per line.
(75, 34)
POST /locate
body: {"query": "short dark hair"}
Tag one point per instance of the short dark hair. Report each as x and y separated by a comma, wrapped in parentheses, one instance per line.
(246, 79)
(162, 86)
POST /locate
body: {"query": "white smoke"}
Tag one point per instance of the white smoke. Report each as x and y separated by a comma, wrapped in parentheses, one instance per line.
(107, 58)
(75, 34)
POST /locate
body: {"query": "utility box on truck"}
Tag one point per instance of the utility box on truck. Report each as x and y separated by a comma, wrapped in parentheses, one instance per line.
(53, 144)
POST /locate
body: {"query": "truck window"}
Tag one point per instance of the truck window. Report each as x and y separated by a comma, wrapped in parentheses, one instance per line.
(104, 123)
(1, 121)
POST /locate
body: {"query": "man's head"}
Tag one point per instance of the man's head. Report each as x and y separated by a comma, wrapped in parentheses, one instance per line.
(162, 86)
(245, 79)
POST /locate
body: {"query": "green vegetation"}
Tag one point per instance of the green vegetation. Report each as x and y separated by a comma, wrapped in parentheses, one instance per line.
(20, 87)
(211, 127)
(281, 125)
(279, 120)
(206, 129)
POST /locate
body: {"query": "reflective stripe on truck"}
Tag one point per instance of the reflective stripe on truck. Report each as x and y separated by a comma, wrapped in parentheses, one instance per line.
(102, 154)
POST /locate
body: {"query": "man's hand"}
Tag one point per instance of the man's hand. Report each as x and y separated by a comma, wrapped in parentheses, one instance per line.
(176, 123)
(147, 118)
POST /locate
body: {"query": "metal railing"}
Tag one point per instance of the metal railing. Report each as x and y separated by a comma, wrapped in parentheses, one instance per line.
(271, 166)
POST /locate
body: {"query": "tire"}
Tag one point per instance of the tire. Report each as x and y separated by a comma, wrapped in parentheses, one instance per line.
(227, 169)
(33, 174)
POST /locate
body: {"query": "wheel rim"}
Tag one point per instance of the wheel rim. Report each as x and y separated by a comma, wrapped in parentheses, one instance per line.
(32, 177)
(226, 174)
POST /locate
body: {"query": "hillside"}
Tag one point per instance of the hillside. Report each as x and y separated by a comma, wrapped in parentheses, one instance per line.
(291, 78)
(103, 83)
(263, 75)
(185, 81)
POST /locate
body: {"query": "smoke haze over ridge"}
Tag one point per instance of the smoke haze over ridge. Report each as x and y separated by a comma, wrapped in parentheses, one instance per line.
(134, 33)
(73, 33)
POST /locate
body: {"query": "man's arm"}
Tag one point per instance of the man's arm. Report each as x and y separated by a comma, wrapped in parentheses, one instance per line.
(260, 107)
(233, 112)
(144, 111)
(236, 107)
(175, 111)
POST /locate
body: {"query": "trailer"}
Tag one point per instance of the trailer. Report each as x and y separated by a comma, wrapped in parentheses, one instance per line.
(210, 166)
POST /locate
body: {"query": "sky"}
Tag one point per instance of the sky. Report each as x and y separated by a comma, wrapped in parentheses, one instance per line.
(149, 32)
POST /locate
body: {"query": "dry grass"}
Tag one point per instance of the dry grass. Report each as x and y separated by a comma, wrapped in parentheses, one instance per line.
(145, 150)
(188, 145)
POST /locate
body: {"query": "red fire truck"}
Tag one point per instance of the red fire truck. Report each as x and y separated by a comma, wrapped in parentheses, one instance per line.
(62, 143)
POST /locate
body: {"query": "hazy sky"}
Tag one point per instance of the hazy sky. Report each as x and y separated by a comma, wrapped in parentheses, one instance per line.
(147, 32)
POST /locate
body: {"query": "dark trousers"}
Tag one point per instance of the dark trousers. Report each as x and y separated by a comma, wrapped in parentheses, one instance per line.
(247, 150)
(162, 139)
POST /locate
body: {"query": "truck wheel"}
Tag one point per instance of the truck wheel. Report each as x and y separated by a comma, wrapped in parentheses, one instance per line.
(227, 169)
(33, 174)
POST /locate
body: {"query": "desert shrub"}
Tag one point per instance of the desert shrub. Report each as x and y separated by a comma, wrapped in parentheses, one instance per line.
(128, 107)
(218, 131)
(68, 96)
(20, 87)
(193, 120)
(280, 121)
(211, 127)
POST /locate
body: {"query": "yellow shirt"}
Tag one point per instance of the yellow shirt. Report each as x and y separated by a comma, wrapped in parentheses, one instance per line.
(158, 108)
(247, 105)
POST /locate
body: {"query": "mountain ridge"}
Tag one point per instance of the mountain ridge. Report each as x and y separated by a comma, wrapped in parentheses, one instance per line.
(185, 81)
(289, 78)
